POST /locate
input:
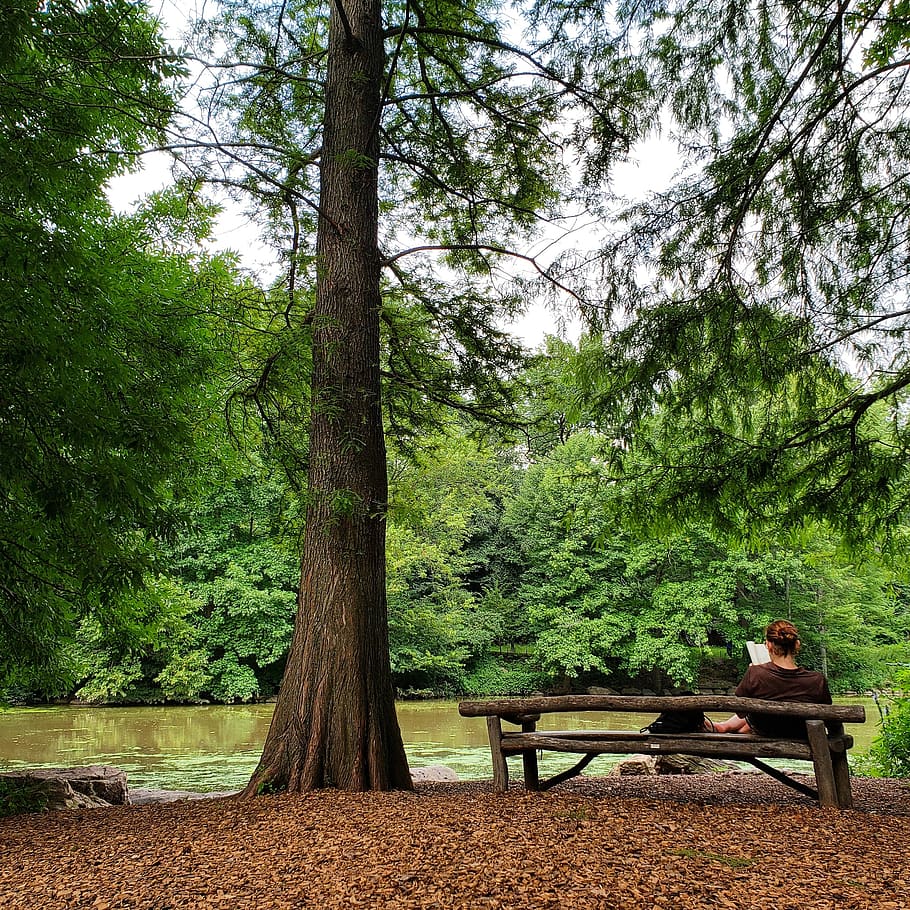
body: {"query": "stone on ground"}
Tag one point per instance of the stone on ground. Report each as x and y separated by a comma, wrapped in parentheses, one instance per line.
(94, 786)
(433, 774)
(670, 764)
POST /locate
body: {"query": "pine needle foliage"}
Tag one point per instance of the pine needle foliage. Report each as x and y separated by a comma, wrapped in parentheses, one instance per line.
(762, 299)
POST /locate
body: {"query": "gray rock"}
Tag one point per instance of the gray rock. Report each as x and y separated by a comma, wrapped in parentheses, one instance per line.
(670, 764)
(51, 795)
(140, 797)
(689, 764)
(433, 773)
(636, 765)
(94, 785)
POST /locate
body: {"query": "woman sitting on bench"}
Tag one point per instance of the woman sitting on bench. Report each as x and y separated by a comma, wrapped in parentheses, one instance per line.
(778, 680)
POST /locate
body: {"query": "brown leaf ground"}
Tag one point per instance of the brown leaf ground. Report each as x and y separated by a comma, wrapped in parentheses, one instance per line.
(683, 842)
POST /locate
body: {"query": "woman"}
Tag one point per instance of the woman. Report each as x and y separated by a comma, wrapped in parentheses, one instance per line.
(778, 680)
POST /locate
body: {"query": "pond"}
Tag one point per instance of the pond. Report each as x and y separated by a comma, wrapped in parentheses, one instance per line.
(216, 747)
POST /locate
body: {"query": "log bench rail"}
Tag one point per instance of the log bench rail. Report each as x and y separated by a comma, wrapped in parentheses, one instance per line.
(826, 743)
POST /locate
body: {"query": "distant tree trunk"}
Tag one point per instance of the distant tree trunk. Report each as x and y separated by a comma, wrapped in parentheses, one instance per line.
(335, 722)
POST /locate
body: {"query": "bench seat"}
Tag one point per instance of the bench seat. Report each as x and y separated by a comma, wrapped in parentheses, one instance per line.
(624, 742)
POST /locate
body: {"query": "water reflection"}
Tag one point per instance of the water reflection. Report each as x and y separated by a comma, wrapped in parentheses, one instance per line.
(216, 747)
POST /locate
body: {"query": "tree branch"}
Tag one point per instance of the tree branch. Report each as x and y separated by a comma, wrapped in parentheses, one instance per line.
(351, 42)
(488, 248)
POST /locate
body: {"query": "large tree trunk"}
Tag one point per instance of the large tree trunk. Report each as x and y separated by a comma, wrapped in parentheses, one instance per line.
(335, 722)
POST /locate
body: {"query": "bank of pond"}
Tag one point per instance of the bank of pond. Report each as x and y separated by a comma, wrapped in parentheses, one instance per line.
(216, 747)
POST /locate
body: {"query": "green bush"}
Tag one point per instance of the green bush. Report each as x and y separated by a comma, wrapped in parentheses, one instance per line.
(16, 800)
(494, 678)
(890, 753)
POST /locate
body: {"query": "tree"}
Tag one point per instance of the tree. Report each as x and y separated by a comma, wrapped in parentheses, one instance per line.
(553, 406)
(761, 300)
(606, 595)
(444, 547)
(217, 615)
(455, 131)
(107, 363)
(335, 721)
(890, 754)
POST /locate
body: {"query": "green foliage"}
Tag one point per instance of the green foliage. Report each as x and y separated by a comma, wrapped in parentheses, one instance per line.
(15, 800)
(425, 605)
(107, 352)
(494, 677)
(444, 499)
(428, 370)
(159, 661)
(238, 563)
(763, 294)
(850, 613)
(500, 580)
(267, 786)
(608, 595)
(219, 625)
(65, 64)
(890, 753)
(554, 407)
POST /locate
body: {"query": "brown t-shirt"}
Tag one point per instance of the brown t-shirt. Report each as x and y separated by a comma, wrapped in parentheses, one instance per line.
(780, 684)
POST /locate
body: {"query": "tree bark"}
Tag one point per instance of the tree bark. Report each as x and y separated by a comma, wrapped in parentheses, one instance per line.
(335, 723)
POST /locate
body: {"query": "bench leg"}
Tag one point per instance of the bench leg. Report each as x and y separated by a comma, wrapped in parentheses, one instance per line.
(500, 768)
(821, 759)
(529, 759)
(842, 780)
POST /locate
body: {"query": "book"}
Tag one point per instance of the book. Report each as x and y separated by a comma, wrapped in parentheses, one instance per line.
(758, 653)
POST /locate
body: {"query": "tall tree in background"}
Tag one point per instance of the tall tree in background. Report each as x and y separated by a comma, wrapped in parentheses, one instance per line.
(762, 299)
(415, 143)
(105, 360)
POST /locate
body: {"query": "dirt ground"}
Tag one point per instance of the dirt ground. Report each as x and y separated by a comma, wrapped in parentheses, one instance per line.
(725, 840)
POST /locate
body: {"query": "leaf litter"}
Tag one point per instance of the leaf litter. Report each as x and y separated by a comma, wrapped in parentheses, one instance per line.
(680, 841)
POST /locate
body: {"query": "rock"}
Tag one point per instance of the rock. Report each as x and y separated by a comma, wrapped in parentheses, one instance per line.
(433, 773)
(52, 794)
(689, 764)
(671, 764)
(601, 690)
(68, 788)
(144, 797)
(636, 765)
(60, 794)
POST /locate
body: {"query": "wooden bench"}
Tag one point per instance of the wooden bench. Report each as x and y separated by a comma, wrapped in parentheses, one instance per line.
(825, 745)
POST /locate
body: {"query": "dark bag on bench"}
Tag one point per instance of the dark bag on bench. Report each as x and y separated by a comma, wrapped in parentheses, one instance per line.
(677, 722)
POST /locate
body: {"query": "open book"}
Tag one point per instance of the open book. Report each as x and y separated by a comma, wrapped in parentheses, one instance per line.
(758, 654)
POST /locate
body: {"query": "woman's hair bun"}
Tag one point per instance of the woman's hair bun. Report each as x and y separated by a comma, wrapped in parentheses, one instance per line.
(783, 633)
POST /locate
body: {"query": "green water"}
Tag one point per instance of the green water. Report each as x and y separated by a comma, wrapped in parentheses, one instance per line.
(216, 747)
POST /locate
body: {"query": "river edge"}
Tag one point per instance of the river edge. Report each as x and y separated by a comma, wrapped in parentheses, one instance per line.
(216, 748)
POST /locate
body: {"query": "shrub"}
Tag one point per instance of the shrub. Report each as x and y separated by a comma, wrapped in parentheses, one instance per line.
(493, 678)
(890, 753)
(17, 800)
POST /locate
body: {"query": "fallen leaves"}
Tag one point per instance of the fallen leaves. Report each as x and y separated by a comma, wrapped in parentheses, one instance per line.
(716, 842)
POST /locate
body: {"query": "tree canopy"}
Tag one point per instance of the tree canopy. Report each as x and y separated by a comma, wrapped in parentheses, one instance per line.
(106, 351)
(761, 299)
